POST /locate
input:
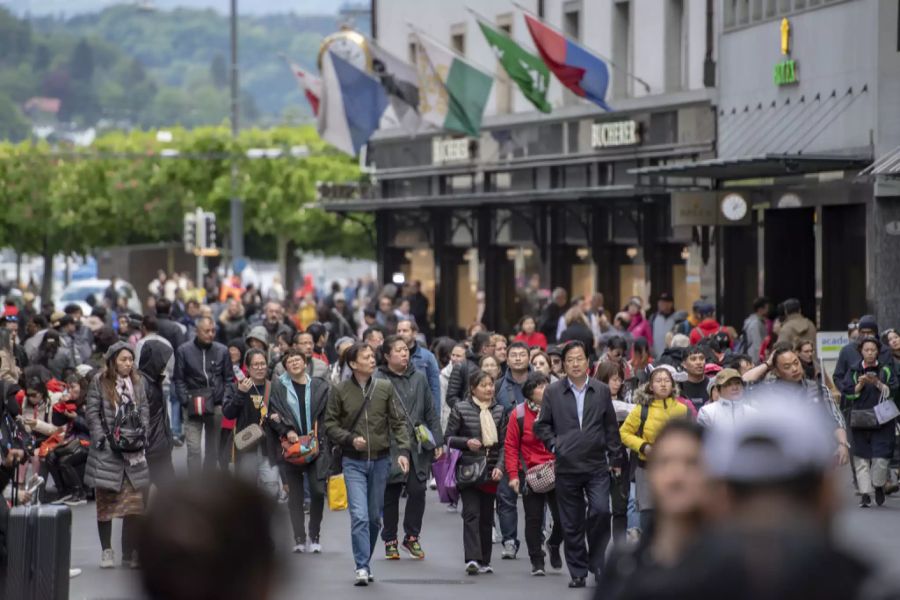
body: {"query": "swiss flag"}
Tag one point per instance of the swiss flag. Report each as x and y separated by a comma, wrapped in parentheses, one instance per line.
(310, 84)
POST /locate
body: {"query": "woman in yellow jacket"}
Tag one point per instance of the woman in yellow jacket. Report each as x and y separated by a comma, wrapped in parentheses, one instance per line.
(656, 403)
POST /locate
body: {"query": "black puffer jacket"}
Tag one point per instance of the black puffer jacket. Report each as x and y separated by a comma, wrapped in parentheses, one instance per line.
(198, 367)
(154, 356)
(465, 423)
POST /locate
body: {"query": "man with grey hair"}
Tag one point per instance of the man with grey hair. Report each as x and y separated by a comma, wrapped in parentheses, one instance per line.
(202, 370)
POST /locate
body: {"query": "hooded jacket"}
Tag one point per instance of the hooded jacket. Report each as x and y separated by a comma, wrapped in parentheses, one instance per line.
(412, 393)
(106, 469)
(155, 354)
(704, 329)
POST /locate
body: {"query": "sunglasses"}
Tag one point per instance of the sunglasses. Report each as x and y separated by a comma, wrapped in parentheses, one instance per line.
(852, 326)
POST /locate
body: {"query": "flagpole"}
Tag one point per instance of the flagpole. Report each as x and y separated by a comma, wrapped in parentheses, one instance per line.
(591, 50)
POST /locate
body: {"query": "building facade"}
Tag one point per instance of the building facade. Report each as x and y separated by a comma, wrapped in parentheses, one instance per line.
(808, 92)
(544, 200)
(731, 165)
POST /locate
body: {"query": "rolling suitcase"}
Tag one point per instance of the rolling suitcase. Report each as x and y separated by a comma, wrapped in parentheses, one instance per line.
(39, 544)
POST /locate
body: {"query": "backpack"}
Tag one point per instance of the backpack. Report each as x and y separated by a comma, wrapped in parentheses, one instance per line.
(128, 433)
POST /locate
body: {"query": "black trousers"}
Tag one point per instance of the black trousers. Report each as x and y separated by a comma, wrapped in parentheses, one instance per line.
(619, 493)
(294, 476)
(64, 468)
(415, 508)
(478, 521)
(583, 500)
(534, 505)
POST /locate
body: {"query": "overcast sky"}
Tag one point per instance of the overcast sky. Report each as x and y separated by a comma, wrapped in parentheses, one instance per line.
(72, 7)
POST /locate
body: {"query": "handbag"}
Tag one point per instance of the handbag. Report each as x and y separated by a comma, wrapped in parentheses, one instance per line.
(541, 478)
(444, 472)
(863, 418)
(337, 452)
(471, 474)
(886, 411)
(248, 437)
(200, 402)
(337, 492)
(424, 436)
(306, 449)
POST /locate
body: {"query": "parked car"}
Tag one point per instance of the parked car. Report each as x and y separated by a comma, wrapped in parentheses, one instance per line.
(78, 292)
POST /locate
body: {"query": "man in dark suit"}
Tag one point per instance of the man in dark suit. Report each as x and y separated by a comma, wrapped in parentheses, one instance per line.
(578, 424)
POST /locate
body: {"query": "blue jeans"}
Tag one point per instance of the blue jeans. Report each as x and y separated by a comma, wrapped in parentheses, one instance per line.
(366, 481)
(175, 413)
(507, 512)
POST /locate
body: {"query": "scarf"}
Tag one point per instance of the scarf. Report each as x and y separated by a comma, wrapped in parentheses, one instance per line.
(488, 427)
(125, 392)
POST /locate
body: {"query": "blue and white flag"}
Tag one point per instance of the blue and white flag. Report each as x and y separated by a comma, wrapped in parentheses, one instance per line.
(353, 103)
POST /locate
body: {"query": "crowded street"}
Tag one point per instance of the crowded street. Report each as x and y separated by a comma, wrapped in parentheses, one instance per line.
(876, 535)
(496, 299)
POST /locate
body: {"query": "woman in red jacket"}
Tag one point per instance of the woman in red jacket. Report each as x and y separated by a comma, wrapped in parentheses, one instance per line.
(528, 334)
(526, 447)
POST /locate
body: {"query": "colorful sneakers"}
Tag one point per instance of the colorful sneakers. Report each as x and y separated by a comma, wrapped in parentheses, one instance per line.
(412, 546)
(391, 551)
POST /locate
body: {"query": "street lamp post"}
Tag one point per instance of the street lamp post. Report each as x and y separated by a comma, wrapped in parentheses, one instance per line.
(237, 208)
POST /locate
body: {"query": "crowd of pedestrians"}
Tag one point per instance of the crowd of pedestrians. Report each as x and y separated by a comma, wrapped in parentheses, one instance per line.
(594, 423)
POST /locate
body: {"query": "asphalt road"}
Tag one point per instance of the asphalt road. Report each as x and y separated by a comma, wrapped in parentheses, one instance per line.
(875, 532)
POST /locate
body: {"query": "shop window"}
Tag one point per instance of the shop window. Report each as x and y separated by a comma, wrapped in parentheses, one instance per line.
(547, 139)
(458, 38)
(583, 273)
(419, 266)
(575, 176)
(467, 285)
(632, 281)
(604, 174)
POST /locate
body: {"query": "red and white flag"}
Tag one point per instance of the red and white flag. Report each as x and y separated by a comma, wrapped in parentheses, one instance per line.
(310, 84)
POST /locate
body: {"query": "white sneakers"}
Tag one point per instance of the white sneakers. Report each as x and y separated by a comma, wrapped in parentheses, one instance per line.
(108, 559)
(299, 548)
(472, 568)
(314, 547)
(362, 578)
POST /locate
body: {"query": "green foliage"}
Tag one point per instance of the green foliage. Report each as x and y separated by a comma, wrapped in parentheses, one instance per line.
(122, 190)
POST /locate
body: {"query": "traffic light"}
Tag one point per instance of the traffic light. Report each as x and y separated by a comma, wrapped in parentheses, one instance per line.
(209, 224)
(190, 232)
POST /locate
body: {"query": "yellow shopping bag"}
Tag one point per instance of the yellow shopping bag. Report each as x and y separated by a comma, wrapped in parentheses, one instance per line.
(337, 492)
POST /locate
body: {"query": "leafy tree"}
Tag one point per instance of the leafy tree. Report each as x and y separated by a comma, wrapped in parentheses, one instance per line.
(13, 124)
(81, 66)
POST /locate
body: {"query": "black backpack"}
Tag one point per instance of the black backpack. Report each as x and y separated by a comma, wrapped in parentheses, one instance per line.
(128, 433)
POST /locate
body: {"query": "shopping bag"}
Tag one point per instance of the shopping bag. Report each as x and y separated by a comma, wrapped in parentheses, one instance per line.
(886, 412)
(337, 492)
(445, 476)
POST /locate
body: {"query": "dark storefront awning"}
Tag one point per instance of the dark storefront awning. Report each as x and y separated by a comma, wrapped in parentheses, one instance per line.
(888, 165)
(488, 198)
(748, 167)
